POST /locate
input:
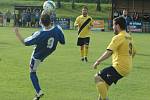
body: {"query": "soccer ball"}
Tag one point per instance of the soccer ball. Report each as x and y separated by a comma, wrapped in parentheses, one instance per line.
(49, 6)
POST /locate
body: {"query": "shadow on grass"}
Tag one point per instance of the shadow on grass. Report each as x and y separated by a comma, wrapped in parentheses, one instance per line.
(142, 54)
(4, 44)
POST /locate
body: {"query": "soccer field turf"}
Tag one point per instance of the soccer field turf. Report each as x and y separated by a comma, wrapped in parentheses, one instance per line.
(63, 76)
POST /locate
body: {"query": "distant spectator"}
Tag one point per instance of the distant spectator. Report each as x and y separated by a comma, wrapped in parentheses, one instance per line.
(128, 20)
(33, 19)
(136, 17)
(24, 18)
(37, 17)
(116, 13)
(4, 20)
(8, 17)
(16, 20)
(28, 17)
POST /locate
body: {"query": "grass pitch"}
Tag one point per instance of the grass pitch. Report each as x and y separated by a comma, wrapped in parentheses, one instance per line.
(62, 75)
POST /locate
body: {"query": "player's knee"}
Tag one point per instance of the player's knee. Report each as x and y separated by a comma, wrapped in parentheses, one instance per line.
(33, 69)
(97, 78)
(82, 47)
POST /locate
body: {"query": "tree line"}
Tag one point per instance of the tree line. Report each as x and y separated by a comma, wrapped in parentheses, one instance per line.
(86, 1)
(98, 2)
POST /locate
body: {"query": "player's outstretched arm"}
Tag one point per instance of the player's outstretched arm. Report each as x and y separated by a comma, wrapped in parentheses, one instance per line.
(18, 35)
(103, 57)
(76, 25)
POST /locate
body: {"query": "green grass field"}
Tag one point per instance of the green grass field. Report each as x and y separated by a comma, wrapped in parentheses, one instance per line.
(62, 75)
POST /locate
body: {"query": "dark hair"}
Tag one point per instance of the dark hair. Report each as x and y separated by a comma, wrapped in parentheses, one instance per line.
(121, 21)
(45, 19)
(85, 7)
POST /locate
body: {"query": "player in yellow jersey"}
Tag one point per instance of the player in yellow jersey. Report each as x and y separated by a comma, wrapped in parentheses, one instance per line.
(84, 24)
(122, 50)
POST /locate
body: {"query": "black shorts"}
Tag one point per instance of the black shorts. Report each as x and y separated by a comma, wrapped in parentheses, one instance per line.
(110, 75)
(83, 41)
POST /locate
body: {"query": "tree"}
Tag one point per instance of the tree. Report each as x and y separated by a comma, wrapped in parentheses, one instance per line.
(98, 7)
(73, 4)
(58, 4)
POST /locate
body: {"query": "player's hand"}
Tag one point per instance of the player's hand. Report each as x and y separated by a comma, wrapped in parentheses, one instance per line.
(18, 35)
(76, 26)
(96, 64)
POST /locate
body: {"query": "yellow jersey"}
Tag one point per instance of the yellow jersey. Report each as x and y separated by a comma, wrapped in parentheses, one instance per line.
(123, 50)
(80, 20)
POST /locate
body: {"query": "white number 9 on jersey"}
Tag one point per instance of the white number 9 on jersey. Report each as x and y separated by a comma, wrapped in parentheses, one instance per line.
(50, 42)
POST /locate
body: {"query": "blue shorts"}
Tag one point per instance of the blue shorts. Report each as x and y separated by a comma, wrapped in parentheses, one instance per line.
(110, 75)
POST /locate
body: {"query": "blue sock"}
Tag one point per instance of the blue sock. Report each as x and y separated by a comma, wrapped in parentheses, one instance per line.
(35, 81)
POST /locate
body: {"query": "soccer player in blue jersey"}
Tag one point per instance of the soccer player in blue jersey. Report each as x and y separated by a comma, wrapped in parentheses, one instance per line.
(46, 41)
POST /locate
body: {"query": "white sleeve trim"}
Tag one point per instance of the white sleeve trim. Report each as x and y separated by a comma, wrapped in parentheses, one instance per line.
(59, 27)
(37, 33)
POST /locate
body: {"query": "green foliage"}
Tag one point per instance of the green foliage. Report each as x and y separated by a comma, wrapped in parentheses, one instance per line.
(62, 75)
(73, 13)
(9, 4)
(66, 9)
(78, 1)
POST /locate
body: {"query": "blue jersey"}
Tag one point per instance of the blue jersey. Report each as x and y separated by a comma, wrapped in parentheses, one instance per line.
(45, 41)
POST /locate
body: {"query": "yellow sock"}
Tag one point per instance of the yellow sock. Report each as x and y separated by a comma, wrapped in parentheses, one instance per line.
(102, 88)
(82, 51)
(86, 49)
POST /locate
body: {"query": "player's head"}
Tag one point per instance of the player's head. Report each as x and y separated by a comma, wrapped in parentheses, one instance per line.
(119, 24)
(125, 12)
(45, 20)
(84, 11)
